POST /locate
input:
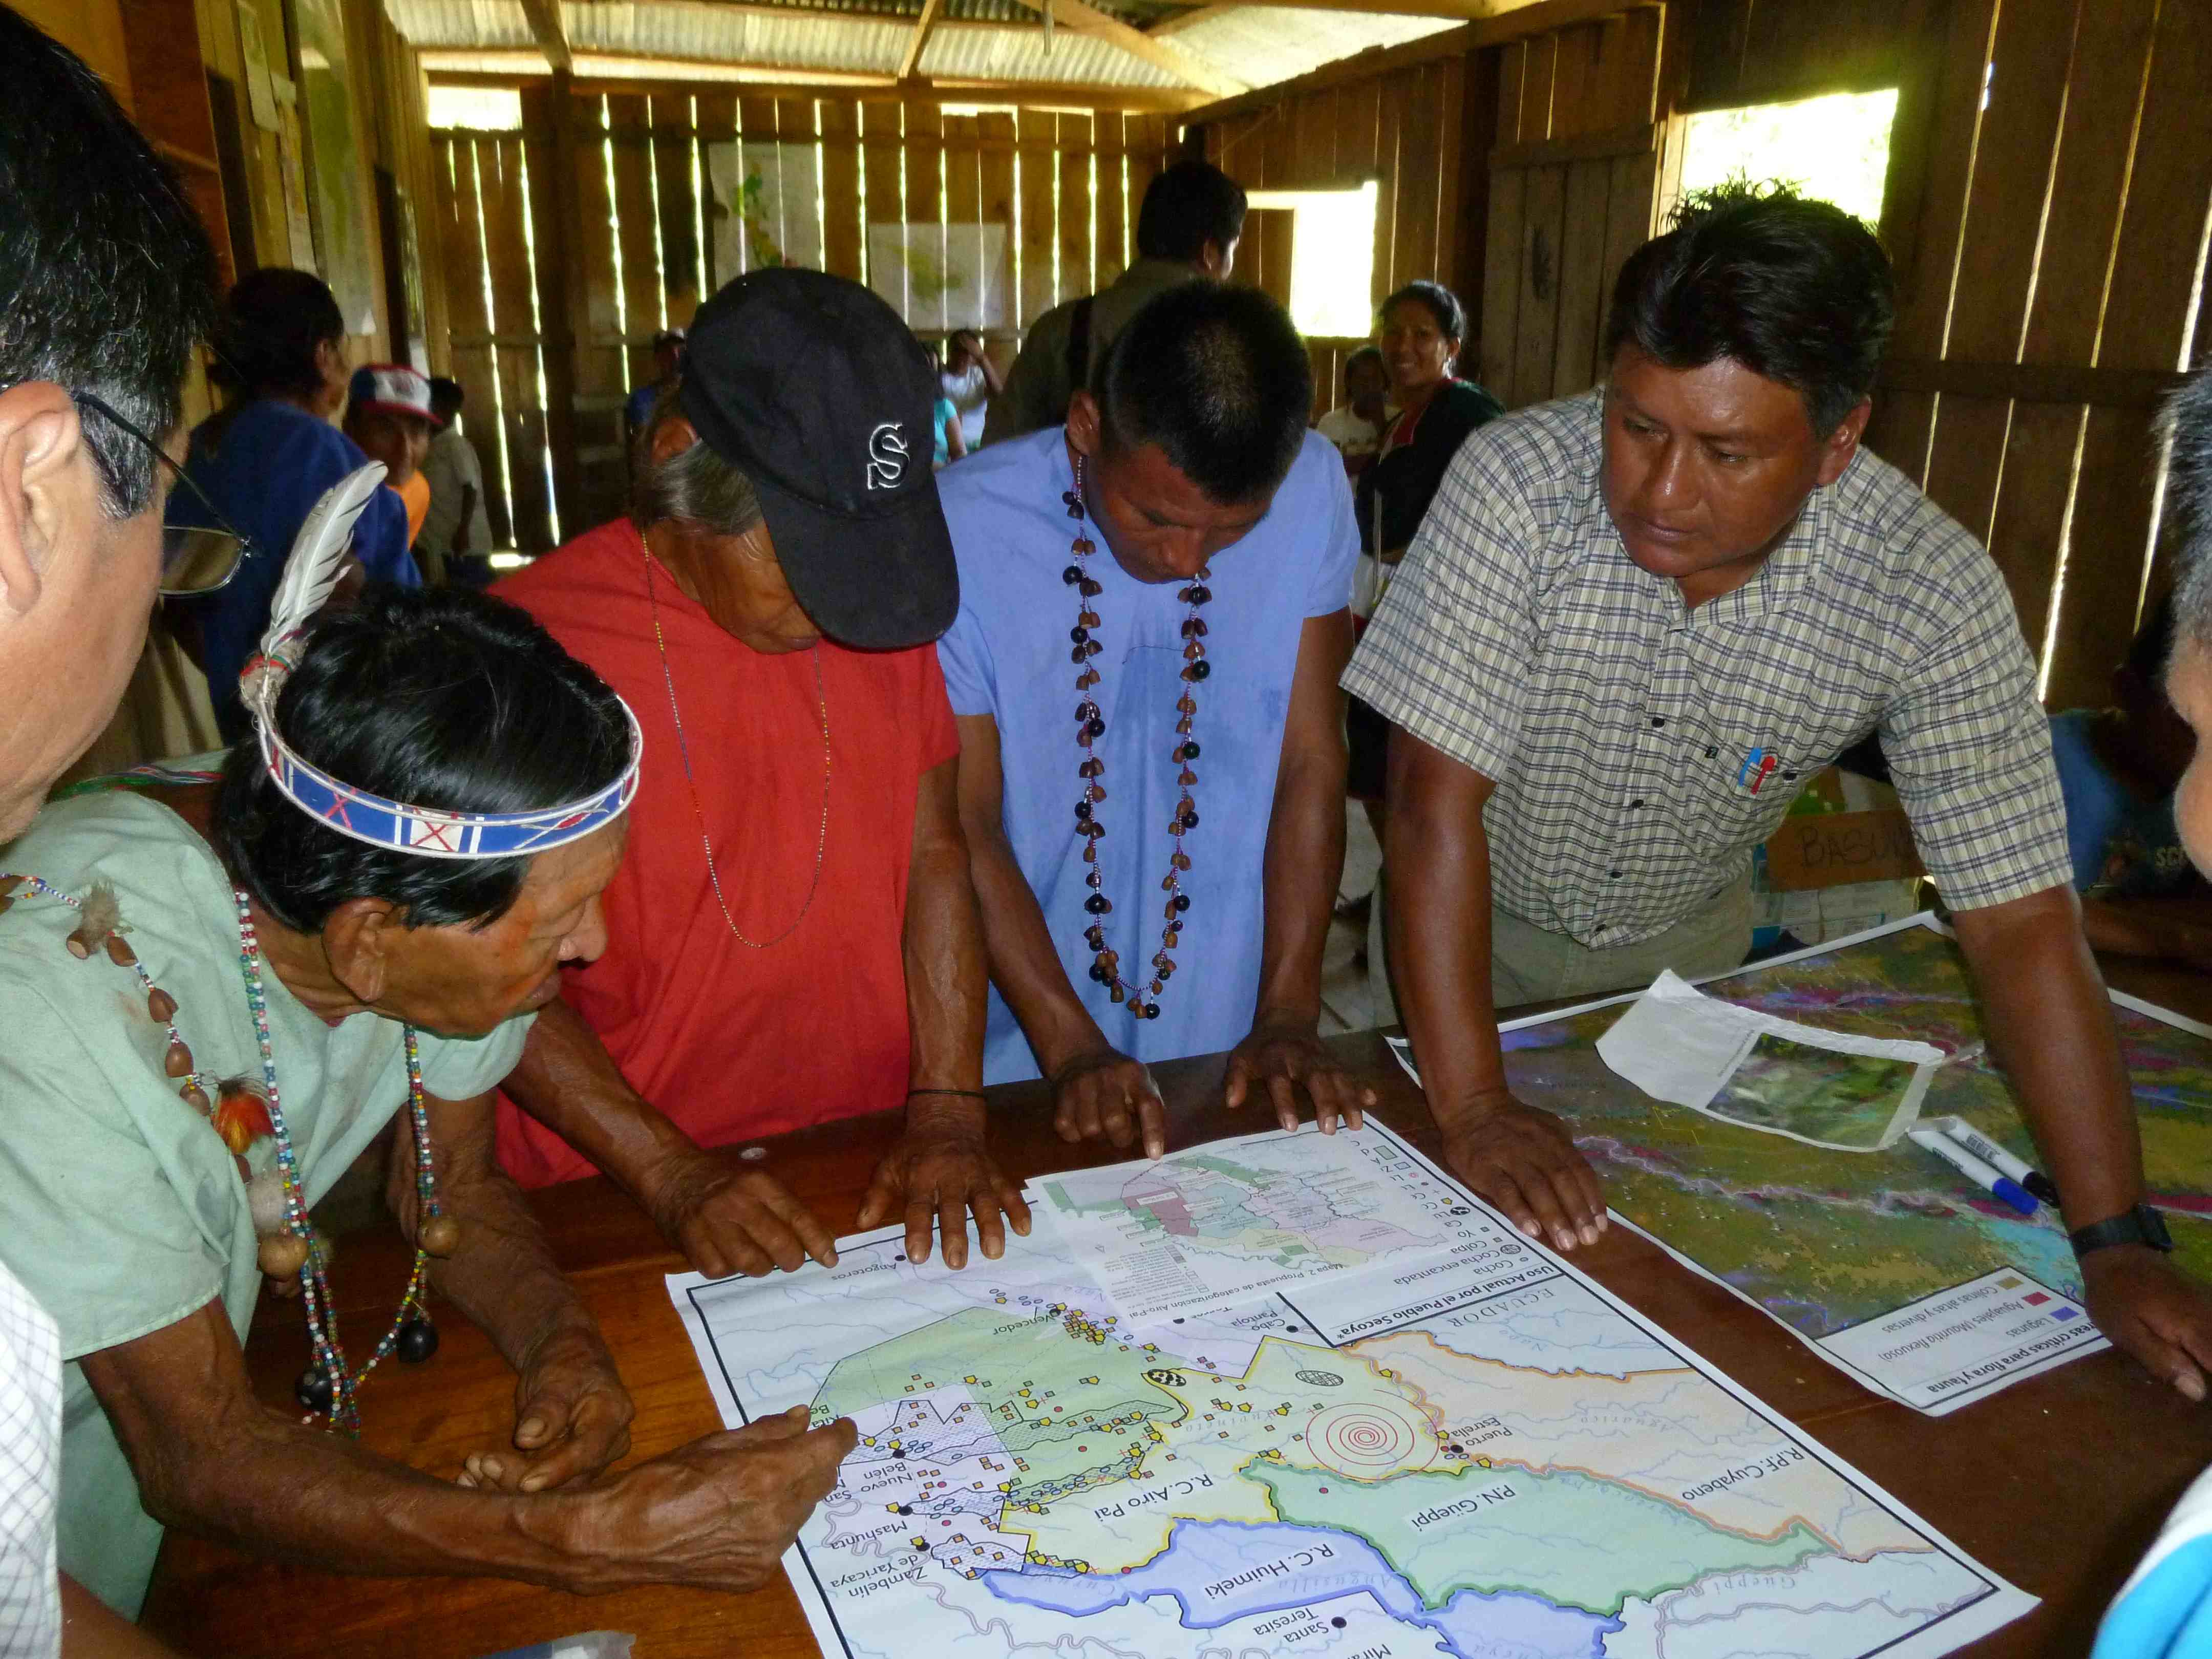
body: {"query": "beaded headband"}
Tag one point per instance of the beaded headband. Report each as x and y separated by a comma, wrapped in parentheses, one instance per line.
(311, 574)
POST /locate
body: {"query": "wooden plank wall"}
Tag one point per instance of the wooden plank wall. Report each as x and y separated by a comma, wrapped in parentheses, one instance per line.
(1433, 135)
(1401, 127)
(555, 298)
(1573, 171)
(2054, 295)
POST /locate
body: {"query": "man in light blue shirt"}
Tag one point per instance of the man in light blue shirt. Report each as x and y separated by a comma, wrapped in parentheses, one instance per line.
(1153, 614)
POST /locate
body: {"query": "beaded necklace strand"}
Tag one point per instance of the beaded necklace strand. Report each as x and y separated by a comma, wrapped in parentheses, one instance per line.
(683, 748)
(328, 1386)
(1089, 726)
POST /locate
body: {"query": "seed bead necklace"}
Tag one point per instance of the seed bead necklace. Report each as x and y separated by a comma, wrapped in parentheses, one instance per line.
(1143, 996)
(327, 1386)
(683, 748)
(327, 1389)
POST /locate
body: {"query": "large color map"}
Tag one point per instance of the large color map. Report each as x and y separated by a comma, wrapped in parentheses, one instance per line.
(1921, 1284)
(1476, 1457)
(1221, 1224)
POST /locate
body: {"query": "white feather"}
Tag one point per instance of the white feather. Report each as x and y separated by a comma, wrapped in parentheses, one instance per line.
(311, 570)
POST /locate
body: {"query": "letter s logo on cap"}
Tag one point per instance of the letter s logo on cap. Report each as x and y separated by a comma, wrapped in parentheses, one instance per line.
(887, 455)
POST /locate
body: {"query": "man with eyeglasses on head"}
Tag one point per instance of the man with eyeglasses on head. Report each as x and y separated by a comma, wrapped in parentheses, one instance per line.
(106, 285)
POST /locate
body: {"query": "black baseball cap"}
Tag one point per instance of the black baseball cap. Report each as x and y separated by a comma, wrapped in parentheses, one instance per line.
(814, 387)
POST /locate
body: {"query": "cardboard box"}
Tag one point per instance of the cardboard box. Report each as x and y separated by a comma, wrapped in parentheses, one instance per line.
(1831, 849)
(1841, 862)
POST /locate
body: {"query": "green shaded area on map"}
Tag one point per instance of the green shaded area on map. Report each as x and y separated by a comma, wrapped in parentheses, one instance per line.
(1556, 1532)
(1821, 1094)
(1068, 1399)
(1093, 1450)
(1825, 1240)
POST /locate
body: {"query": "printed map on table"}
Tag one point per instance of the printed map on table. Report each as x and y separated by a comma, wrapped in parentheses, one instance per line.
(1481, 1456)
(1207, 1229)
(1920, 1284)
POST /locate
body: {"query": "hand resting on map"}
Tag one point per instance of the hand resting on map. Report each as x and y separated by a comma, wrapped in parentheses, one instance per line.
(941, 1171)
(1522, 1159)
(1102, 1094)
(717, 1514)
(1285, 1054)
(2154, 1310)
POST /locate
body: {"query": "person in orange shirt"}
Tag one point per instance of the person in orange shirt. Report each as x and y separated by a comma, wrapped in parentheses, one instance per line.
(388, 414)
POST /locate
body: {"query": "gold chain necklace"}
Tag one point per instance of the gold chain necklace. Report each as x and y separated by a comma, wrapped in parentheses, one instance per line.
(683, 748)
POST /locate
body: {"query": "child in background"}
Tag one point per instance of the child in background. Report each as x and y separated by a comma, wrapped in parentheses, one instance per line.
(2118, 768)
(949, 443)
(1355, 427)
(388, 414)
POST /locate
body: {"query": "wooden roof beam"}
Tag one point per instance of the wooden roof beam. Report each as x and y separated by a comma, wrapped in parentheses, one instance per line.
(923, 27)
(1500, 12)
(1183, 20)
(1087, 19)
(552, 35)
(529, 69)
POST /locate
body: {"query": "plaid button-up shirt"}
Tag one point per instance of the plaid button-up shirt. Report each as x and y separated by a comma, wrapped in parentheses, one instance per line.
(30, 1475)
(1642, 749)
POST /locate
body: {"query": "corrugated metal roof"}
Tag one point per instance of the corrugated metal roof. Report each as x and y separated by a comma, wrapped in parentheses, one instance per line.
(1257, 45)
(1262, 44)
(796, 39)
(982, 54)
(484, 23)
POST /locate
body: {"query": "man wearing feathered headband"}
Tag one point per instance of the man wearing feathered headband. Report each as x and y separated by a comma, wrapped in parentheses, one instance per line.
(216, 991)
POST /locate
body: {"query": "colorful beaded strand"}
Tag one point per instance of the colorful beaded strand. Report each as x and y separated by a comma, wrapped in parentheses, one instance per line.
(340, 1381)
(1090, 725)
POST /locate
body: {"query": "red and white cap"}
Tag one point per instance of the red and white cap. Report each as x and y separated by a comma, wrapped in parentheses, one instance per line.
(394, 388)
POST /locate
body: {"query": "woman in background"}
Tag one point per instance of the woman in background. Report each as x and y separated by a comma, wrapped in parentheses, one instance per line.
(1421, 331)
(267, 457)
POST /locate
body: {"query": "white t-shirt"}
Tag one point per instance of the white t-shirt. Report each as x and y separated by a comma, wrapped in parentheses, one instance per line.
(450, 467)
(1352, 433)
(971, 395)
(30, 1475)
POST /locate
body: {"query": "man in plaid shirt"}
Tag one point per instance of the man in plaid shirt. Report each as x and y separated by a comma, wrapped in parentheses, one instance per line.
(1632, 624)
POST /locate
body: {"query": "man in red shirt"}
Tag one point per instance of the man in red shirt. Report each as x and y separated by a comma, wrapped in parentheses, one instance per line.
(792, 936)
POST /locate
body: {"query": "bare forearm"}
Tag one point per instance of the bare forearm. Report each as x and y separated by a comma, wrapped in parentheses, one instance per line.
(945, 977)
(2163, 930)
(313, 1498)
(1024, 965)
(501, 1273)
(210, 1460)
(1437, 921)
(1303, 863)
(567, 1081)
(2051, 1028)
(503, 1276)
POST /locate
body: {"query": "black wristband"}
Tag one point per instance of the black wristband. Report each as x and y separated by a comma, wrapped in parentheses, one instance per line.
(2141, 1226)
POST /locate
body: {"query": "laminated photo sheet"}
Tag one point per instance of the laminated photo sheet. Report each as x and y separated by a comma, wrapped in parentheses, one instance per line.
(1829, 1089)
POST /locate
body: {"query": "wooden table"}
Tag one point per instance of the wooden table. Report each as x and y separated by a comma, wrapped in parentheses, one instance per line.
(2058, 1483)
